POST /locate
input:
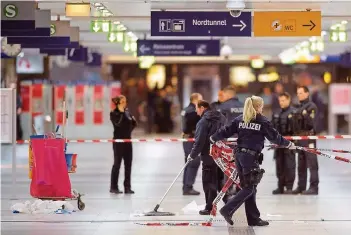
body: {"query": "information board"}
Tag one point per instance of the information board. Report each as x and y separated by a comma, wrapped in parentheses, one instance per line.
(7, 104)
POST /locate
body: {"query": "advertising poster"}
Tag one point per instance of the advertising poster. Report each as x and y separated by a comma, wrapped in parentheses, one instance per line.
(115, 91)
(25, 98)
(37, 100)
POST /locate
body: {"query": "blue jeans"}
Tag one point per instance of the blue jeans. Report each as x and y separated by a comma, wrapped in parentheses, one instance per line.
(191, 169)
(244, 164)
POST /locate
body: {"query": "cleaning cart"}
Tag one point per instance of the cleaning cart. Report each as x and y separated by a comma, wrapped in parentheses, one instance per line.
(50, 165)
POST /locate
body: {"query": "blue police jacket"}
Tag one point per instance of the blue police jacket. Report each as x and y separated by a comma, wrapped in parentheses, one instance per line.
(251, 135)
(189, 120)
(231, 109)
(209, 123)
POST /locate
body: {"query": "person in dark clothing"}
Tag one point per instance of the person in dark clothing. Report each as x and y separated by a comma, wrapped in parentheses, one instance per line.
(123, 124)
(252, 129)
(210, 122)
(190, 119)
(231, 107)
(284, 158)
(304, 125)
(215, 105)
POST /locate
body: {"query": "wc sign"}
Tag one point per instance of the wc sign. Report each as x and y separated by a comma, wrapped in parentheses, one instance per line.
(340, 98)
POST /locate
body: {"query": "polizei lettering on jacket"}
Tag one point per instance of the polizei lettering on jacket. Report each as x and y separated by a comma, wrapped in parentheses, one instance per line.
(250, 126)
(209, 22)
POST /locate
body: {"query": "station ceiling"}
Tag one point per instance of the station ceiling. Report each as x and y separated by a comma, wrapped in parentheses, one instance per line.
(135, 15)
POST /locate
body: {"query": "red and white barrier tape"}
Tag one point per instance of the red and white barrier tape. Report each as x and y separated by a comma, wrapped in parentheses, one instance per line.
(273, 146)
(192, 139)
(338, 158)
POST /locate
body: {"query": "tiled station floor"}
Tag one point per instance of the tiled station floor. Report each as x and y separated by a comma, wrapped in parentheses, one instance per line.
(155, 166)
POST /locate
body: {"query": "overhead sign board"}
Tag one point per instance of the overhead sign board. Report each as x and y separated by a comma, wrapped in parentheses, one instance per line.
(287, 24)
(178, 47)
(18, 15)
(42, 23)
(180, 23)
(60, 32)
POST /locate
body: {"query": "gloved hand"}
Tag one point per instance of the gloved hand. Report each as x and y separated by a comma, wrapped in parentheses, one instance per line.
(189, 159)
(291, 146)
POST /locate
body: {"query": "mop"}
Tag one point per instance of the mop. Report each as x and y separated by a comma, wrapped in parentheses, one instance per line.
(159, 213)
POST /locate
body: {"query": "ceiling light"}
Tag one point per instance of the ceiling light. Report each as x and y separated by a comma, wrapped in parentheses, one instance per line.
(344, 22)
(101, 7)
(323, 33)
(97, 4)
(116, 22)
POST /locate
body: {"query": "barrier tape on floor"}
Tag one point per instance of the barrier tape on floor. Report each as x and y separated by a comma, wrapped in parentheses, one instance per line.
(205, 224)
(190, 139)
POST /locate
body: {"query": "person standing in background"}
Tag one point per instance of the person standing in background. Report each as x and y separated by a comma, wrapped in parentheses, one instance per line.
(189, 121)
(284, 158)
(304, 125)
(215, 105)
(19, 133)
(123, 125)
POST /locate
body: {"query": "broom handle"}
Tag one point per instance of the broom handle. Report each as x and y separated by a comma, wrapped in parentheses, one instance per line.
(169, 188)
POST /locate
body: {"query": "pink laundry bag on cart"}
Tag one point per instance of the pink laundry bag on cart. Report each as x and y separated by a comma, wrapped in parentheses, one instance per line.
(50, 177)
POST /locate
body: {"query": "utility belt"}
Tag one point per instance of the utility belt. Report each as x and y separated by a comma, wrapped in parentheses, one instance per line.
(259, 156)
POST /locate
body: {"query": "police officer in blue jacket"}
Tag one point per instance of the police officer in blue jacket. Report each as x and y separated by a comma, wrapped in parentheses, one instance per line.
(210, 121)
(252, 129)
(231, 107)
(189, 121)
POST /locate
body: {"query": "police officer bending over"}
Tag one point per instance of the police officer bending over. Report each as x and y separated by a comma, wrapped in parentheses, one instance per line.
(210, 121)
(252, 128)
(304, 125)
(190, 119)
(284, 158)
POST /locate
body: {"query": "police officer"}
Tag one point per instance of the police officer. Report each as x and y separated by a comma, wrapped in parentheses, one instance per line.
(215, 105)
(210, 121)
(252, 129)
(189, 120)
(304, 125)
(230, 106)
(284, 158)
(123, 125)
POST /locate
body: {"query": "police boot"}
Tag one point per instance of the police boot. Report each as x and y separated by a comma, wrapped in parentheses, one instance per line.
(297, 191)
(310, 191)
(205, 212)
(226, 217)
(115, 191)
(278, 191)
(128, 191)
(259, 222)
(191, 192)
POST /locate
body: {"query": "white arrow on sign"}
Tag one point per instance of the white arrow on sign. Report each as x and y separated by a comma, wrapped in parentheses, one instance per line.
(242, 25)
(96, 27)
(144, 48)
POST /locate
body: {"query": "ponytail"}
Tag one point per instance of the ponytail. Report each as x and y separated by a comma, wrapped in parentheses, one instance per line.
(250, 107)
(249, 112)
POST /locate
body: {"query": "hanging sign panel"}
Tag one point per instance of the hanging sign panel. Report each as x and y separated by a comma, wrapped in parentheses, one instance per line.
(18, 15)
(79, 107)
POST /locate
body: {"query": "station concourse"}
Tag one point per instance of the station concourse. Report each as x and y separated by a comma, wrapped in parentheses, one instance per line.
(63, 57)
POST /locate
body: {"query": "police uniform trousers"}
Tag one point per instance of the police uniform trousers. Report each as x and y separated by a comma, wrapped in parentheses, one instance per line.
(310, 161)
(245, 162)
(122, 151)
(191, 169)
(285, 168)
(210, 183)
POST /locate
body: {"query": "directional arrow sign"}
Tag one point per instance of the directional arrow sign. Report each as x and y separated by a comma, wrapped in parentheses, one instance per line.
(98, 26)
(112, 37)
(287, 24)
(178, 47)
(178, 23)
